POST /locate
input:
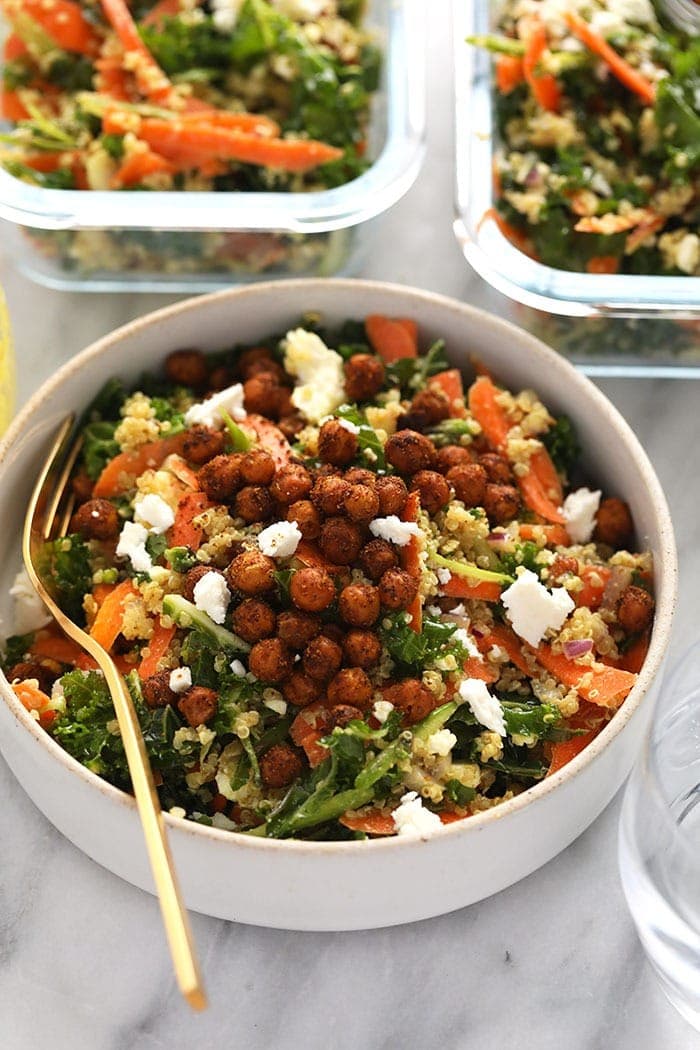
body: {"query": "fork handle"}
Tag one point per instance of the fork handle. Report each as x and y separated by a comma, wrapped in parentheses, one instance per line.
(175, 919)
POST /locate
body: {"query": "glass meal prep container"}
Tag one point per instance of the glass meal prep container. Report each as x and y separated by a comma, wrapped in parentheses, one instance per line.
(199, 241)
(609, 324)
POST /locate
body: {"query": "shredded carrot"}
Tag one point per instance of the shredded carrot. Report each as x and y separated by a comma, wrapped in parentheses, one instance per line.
(544, 86)
(184, 532)
(151, 79)
(370, 821)
(563, 752)
(461, 587)
(62, 20)
(392, 338)
(618, 66)
(450, 383)
(160, 11)
(120, 472)
(643, 230)
(271, 438)
(158, 645)
(255, 123)
(509, 73)
(14, 48)
(138, 166)
(488, 413)
(108, 621)
(634, 657)
(11, 105)
(54, 645)
(473, 667)
(595, 579)
(309, 726)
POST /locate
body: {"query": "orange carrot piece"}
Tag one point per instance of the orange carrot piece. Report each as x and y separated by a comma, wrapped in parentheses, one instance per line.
(108, 622)
(509, 73)
(309, 726)
(605, 686)
(618, 66)
(138, 166)
(507, 639)
(176, 465)
(544, 86)
(643, 230)
(536, 495)
(555, 535)
(11, 106)
(475, 668)
(410, 326)
(595, 579)
(633, 659)
(460, 587)
(271, 438)
(14, 48)
(391, 338)
(563, 752)
(34, 699)
(309, 555)
(184, 533)
(151, 79)
(224, 118)
(62, 20)
(370, 821)
(120, 472)
(603, 264)
(516, 237)
(488, 413)
(158, 645)
(410, 560)
(450, 383)
(55, 646)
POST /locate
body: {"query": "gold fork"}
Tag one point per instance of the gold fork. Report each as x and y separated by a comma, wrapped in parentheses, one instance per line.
(47, 517)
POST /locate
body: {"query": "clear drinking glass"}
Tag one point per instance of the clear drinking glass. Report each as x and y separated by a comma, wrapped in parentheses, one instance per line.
(660, 840)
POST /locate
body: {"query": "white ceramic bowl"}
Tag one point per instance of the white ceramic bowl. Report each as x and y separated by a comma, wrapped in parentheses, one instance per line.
(355, 885)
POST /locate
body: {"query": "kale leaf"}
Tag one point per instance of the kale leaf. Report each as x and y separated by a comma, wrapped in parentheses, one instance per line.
(420, 649)
(99, 447)
(67, 565)
(562, 444)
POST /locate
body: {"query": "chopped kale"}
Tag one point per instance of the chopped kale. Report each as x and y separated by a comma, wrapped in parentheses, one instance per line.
(562, 444)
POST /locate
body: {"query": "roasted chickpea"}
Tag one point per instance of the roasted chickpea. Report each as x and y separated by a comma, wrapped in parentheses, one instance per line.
(192, 578)
(97, 519)
(187, 368)
(433, 404)
(376, 557)
(267, 367)
(291, 483)
(261, 394)
(257, 467)
(635, 609)
(452, 456)
(364, 376)
(360, 476)
(329, 494)
(351, 686)
(343, 714)
(469, 481)
(333, 631)
(501, 503)
(614, 524)
(270, 660)
(397, 589)
(307, 518)
(433, 490)
(336, 443)
(392, 494)
(254, 620)
(563, 565)
(312, 589)
(412, 698)
(249, 360)
(497, 468)
(362, 649)
(280, 766)
(297, 628)
(408, 451)
(156, 690)
(359, 604)
(220, 478)
(200, 444)
(301, 690)
(340, 541)
(198, 705)
(253, 503)
(362, 504)
(219, 378)
(252, 573)
(28, 669)
(322, 658)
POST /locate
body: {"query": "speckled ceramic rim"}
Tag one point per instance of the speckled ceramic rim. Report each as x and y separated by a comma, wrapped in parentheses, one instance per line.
(591, 396)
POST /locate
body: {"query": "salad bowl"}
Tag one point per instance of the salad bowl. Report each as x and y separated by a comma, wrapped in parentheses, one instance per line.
(310, 885)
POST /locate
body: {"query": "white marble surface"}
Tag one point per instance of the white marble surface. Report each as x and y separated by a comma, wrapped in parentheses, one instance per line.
(551, 963)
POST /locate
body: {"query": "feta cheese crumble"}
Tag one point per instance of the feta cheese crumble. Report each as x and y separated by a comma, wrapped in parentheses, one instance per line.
(580, 509)
(411, 818)
(225, 14)
(443, 575)
(180, 679)
(464, 638)
(319, 373)
(238, 668)
(381, 710)
(29, 611)
(207, 413)
(211, 596)
(533, 610)
(348, 425)
(394, 530)
(153, 512)
(279, 540)
(441, 743)
(485, 707)
(132, 545)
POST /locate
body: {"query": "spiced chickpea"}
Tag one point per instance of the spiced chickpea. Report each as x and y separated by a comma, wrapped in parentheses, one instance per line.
(254, 620)
(497, 468)
(28, 669)
(333, 631)
(613, 523)
(279, 766)
(412, 698)
(362, 649)
(376, 557)
(364, 376)
(301, 690)
(307, 518)
(362, 504)
(350, 686)
(359, 604)
(397, 589)
(322, 658)
(340, 541)
(408, 451)
(252, 572)
(200, 444)
(392, 494)
(97, 519)
(261, 394)
(343, 714)
(336, 443)
(501, 503)
(290, 483)
(432, 403)
(434, 491)
(219, 378)
(329, 494)
(192, 578)
(469, 480)
(360, 476)
(635, 609)
(198, 705)
(249, 359)
(220, 478)
(297, 628)
(187, 368)
(312, 589)
(257, 467)
(270, 660)
(253, 503)
(452, 456)
(563, 565)
(266, 366)
(156, 690)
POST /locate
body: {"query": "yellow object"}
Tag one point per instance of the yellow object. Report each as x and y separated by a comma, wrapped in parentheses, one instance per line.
(7, 367)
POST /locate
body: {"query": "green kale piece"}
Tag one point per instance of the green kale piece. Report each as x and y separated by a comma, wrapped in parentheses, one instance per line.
(88, 729)
(66, 562)
(180, 559)
(71, 72)
(523, 554)
(16, 648)
(420, 649)
(412, 373)
(459, 793)
(113, 145)
(99, 447)
(371, 451)
(562, 444)
(531, 720)
(60, 179)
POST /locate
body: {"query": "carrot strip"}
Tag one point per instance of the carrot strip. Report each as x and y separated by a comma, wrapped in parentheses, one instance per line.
(49, 643)
(224, 118)
(392, 338)
(271, 438)
(509, 73)
(138, 166)
(158, 645)
(62, 20)
(595, 579)
(544, 86)
(120, 472)
(450, 383)
(11, 106)
(460, 587)
(410, 560)
(34, 699)
(475, 668)
(160, 11)
(184, 533)
(370, 821)
(309, 726)
(14, 48)
(488, 413)
(633, 659)
(605, 686)
(563, 752)
(603, 264)
(643, 230)
(618, 66)
(151, 79)
(504, 638)
(309, 555)
(108, 622)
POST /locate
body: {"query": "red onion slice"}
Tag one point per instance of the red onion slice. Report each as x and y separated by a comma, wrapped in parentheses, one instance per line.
(577, 647)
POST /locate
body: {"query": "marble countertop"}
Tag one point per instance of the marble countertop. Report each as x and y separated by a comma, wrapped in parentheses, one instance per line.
(552, 962)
